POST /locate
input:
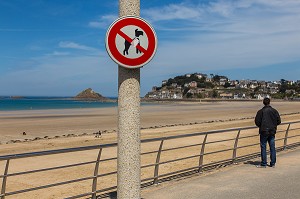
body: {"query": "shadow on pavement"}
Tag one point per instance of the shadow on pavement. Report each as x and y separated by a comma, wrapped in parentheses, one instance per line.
(252, 162)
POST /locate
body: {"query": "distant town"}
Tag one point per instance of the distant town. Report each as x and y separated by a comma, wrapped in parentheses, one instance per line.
(203, 86)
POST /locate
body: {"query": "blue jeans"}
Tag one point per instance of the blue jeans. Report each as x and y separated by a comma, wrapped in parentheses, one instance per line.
(263, 146)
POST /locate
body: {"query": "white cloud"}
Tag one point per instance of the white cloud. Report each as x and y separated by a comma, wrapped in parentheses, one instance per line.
(73, 45)
(244, 33)
(59, 53)
(103, 22)
(172, 12)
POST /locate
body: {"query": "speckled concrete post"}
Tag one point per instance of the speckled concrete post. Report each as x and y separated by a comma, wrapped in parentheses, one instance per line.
(129, 173)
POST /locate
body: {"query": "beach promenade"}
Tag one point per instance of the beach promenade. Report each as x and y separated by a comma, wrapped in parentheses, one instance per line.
(241, 181)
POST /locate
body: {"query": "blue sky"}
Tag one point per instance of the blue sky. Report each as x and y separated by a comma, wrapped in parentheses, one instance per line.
(56, 47)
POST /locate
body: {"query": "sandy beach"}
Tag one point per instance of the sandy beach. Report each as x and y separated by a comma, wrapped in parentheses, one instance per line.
(156, 120)
(53, 129)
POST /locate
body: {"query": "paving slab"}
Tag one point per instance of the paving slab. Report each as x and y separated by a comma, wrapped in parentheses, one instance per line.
(236, 182)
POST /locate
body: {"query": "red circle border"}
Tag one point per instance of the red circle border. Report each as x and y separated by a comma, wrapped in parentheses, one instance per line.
(114, 52)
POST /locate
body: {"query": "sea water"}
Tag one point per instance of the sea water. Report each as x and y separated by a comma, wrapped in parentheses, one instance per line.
(42, 103)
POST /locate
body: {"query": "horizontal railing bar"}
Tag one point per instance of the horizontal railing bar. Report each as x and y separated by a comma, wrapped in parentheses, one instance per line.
(250, 136)
(221, 151)
(147, 153)
(179, 159)
(278, 139)
(85, 148)
(277, 148)
(258, 153)
(147, 179)
(108, 159)
(293, 136)
(107, 174)
(280, 131)
(294, 129)
(181, 147)
(56, 151)
(49, 169)
(197, 134)
(210, 132)
(49, 185)
(148, 165)
(240, 147)
(226, 140)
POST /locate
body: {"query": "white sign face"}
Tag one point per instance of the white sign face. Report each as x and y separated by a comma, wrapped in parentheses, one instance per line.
(138, 39)
(131, 42)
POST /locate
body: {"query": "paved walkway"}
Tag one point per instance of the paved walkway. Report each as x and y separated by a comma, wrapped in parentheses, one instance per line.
(242, 181)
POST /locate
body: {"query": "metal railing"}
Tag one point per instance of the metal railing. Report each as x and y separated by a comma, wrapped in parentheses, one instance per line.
(198, 165)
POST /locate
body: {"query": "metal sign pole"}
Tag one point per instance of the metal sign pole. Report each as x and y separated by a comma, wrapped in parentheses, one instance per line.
(129, 173)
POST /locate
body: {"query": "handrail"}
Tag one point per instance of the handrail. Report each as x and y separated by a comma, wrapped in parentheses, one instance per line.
(156, 165)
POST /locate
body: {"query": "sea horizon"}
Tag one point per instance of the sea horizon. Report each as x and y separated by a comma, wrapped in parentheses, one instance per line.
(16, 103)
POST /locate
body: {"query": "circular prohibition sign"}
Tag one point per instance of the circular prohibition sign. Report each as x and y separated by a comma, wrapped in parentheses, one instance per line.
(146, 53)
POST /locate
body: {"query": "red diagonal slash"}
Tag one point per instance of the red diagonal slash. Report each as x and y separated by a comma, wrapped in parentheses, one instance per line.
(122, 34)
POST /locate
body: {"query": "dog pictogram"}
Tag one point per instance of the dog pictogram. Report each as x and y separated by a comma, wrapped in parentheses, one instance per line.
(135, 42)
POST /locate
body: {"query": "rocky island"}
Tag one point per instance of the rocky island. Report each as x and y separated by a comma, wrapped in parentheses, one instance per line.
(90, 95)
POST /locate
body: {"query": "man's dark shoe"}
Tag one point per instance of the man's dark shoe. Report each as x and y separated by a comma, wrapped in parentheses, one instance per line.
(261, 166)
(273, 166)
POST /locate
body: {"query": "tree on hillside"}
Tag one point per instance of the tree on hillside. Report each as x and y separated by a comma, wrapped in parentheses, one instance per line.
(185, 91)
(215, 94)
(216, 78)
(189, 95)
(227, 84)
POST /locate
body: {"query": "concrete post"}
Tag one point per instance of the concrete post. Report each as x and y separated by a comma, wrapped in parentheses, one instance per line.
(129, 173)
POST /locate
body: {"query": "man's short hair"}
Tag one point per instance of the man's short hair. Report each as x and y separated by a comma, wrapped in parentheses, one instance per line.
(266, 101)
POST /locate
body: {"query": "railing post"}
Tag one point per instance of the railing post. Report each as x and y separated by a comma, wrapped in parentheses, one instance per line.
(94, 188)
(4, 180)
(286, 136)
(202, 154)
(155, 181)
(235, 147)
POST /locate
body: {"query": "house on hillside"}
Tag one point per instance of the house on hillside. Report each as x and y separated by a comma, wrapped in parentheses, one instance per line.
(193, 84)
(223, 81)
(208, 79)
(261, 96)
(226, 95)
(200, 75)
(174, 85)
(239, 96)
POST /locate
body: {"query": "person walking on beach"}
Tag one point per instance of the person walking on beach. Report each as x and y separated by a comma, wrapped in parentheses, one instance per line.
(267, 120)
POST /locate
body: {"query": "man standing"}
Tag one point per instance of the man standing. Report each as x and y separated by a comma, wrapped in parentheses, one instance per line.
(267, 120)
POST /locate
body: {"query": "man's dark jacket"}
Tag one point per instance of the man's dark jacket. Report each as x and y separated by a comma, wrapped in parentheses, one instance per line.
(267, 120)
